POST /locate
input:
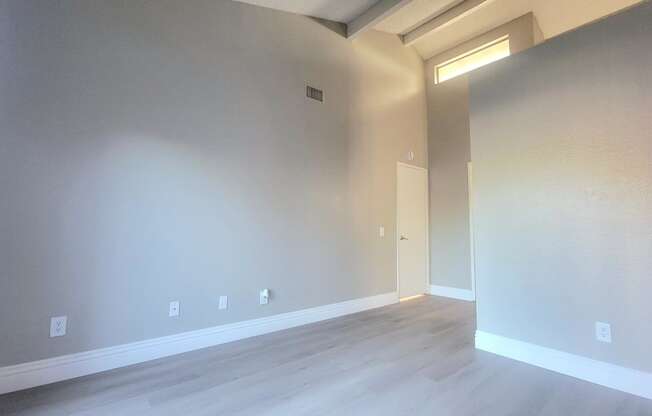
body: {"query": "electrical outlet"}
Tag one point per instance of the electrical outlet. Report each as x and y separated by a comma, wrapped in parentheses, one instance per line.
(603, 332)
(58, 326)
(174, 308)
(224, 302)
(381, 231)
(264, 296)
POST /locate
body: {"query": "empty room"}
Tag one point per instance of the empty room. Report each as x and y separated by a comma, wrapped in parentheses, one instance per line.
(325, 207)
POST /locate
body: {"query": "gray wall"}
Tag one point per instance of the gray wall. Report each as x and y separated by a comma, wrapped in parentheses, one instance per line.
(449, 150)
(562, 153)
(162, 150)
(449, 145)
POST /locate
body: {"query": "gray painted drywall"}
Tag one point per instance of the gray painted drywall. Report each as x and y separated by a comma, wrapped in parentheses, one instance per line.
(561, 141)
(161, 150)
(449, 150)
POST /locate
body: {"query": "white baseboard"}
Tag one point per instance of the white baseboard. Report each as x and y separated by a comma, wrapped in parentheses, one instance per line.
(624, 379)
(452, 292)
(37, 373)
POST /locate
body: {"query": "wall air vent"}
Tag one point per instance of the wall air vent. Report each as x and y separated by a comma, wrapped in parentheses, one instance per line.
(315, 94)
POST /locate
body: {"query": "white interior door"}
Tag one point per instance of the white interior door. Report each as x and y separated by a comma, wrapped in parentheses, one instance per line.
(412, 230)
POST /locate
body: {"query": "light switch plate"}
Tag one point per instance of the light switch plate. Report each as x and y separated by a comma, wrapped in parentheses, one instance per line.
(224, 302)
(174, 308)
(264, 296)
(603, 332)
(58, 326)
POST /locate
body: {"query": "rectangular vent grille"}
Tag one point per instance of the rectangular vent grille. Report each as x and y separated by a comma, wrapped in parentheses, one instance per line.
(315, 94)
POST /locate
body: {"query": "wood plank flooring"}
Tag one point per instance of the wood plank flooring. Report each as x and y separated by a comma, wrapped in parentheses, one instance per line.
(415, 358)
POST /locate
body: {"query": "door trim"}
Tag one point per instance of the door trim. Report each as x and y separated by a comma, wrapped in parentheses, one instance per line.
(426, 283)
(469, 169)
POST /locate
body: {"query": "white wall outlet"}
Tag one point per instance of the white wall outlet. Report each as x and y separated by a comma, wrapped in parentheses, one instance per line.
(381, 231)
(174, 308)
(264, 296)
(224, 302)
(58, 326)
(603, 332)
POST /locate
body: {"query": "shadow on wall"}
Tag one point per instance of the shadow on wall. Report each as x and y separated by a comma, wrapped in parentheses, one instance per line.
(339, 28)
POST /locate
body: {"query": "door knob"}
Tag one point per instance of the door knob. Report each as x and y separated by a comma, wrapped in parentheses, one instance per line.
(403, 238)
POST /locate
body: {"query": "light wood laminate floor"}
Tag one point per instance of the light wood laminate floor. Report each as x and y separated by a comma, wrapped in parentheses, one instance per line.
(415, 358)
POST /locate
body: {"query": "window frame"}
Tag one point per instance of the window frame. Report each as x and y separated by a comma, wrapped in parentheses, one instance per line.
(471, 52)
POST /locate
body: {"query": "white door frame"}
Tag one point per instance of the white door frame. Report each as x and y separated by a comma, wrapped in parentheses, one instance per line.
(426, 283)
(469, 168)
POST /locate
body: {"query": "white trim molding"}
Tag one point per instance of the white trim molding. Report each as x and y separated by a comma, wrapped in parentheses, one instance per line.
(616, 377)
(37, 373)
(452, 292)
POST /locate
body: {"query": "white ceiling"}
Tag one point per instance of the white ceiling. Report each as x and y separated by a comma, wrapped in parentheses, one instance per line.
(336, 10)
(559, 16)
(414, 14)
(490, 16)
(554, 16)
